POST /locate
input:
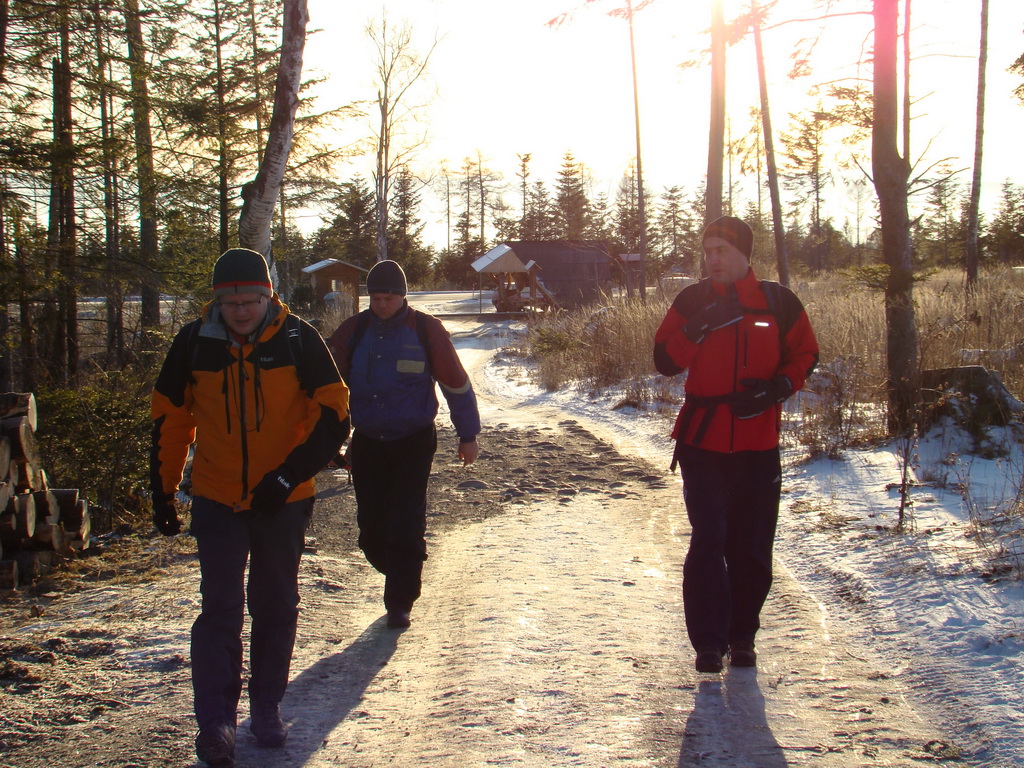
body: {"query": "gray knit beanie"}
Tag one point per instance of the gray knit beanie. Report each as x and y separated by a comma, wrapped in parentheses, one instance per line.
(240, 270)
(386, 277)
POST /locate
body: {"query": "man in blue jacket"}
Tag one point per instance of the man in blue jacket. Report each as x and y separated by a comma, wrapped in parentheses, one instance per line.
(391, 355)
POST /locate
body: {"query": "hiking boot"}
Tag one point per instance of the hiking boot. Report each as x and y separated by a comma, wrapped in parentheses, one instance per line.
(266, 724)
(215, 745)
(398, 619)
(709, 662)
(742, 655)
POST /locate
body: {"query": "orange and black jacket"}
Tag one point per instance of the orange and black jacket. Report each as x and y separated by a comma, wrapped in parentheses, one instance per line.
(249, 407)
(774, 338)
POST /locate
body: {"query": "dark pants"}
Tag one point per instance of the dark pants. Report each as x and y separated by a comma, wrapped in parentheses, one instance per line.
(390, 478)
(227, 539)
(732, 502)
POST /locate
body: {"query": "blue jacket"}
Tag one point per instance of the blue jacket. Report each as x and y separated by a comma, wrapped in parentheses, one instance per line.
(391, 374)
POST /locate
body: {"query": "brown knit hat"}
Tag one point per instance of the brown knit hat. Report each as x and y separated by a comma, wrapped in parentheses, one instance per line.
(734, 231)
(240, 270)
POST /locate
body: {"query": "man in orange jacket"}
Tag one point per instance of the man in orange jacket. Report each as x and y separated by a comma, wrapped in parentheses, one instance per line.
(254, 387)
(746, 345)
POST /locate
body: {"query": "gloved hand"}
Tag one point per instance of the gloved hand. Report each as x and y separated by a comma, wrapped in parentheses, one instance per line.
(341, 460)
(165, 516)
(759, 396)
(271, 493)
(724, 310)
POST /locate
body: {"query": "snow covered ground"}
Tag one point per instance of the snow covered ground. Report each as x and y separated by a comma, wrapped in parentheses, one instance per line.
(935, 602)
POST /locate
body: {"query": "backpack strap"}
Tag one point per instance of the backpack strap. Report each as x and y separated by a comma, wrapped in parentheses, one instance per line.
(784, 311)
(423, 334)
(362, 322)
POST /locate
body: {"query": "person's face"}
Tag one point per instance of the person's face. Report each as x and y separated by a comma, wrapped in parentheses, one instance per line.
(386, 305)
(725, 262)
(244, 312)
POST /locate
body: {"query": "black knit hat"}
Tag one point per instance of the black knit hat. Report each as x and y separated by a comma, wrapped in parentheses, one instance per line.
(732, 230)
(386, 277)
(240, 270)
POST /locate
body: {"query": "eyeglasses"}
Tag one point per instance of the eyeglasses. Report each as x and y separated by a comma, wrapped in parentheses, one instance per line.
(236, 305)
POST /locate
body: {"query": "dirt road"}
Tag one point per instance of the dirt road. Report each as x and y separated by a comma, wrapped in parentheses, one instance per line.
(550, 634)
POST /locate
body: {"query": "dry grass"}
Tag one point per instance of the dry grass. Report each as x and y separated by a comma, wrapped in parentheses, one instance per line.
(600, 346)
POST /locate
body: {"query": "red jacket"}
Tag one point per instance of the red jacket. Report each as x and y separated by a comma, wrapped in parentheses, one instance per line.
(768, 341)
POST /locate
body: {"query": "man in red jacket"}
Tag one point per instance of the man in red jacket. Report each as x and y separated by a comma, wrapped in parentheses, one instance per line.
(746, 345)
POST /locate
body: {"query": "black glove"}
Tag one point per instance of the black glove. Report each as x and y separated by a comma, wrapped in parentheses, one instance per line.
(341, 460)
(759, 396)
(165, 516)
(271, 493)
(723, 311)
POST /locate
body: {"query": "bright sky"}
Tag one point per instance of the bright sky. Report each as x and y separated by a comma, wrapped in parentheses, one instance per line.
(507, 84)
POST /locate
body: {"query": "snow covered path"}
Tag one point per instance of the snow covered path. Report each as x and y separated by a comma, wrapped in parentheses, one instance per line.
(550, 632)
(552, 636)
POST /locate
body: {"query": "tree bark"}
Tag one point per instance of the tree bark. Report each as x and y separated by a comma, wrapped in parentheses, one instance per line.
(891, 174)
(260, 195)
(716, 131)
(149, 247)
(67, 300)
(223, 166)
(972, 257)
(111, 208)
(641, 203)
(778, 227)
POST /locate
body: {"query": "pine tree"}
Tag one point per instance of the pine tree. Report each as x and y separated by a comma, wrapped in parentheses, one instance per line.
(676, 232)
(405, 244)
(572, 207)
(1006, 234)
(352, 235)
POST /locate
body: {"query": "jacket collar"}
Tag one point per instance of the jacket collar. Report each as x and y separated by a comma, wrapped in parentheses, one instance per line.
(744, 285)
(213, 326)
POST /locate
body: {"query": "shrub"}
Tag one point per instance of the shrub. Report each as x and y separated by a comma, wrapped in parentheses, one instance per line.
(96, 438)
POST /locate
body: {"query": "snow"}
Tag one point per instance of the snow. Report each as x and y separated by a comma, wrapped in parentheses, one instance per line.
(929, 600)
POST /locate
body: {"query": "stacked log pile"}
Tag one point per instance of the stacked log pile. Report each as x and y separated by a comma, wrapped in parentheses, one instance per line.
(39, 525)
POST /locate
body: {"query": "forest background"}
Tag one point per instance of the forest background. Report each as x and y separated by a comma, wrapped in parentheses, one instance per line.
(118, 116)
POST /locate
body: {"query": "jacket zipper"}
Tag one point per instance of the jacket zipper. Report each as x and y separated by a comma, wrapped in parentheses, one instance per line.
(244, 426)
(735, 385)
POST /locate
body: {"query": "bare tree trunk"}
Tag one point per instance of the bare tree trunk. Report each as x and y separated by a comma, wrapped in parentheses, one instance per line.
(67, 300)
(257, 80)
(260, 195)
(383, 179)
(111, 207)
(641, 207)
(891, 174)
(716, 132)
(150, 278)
(4, 20)
(26, 342)
(223, 169)
(6, 352)
(972, 256)
(54, 351)
(906, 79)
(778, 227)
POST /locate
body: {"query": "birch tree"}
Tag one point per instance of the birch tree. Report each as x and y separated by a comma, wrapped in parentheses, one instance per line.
(260, 195)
